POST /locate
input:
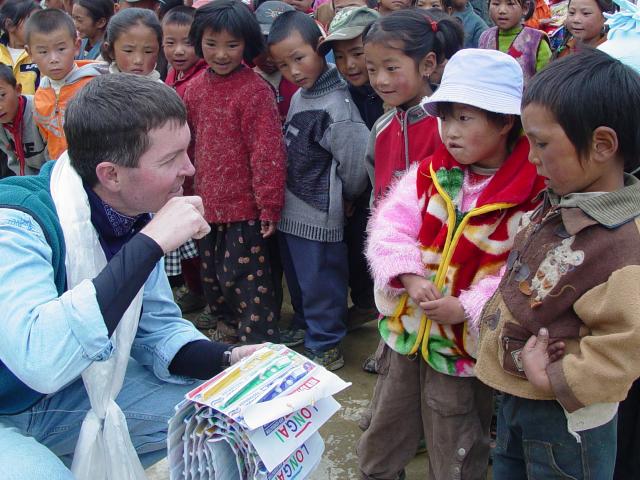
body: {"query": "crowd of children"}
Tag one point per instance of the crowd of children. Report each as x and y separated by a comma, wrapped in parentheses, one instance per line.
(468, 186)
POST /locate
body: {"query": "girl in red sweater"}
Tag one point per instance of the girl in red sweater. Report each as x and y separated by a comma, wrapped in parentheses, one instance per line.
(239, 158)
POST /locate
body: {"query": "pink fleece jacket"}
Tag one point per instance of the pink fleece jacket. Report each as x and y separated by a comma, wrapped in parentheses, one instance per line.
(393, 248)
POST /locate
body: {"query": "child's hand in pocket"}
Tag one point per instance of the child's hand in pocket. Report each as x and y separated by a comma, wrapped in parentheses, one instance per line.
(419, 288)
(446, 310)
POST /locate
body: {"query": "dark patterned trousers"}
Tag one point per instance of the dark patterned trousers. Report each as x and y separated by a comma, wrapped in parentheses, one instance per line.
(238, 282)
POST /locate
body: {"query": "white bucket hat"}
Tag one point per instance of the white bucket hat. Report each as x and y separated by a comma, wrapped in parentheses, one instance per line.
(623, 39)
(486, 79)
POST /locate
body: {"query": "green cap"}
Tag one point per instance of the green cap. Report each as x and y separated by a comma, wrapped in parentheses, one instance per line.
(348, 24)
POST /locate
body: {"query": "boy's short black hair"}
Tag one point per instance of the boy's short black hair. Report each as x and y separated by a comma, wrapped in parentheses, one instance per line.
(48, 21)
(588, 90)
(181, 15)
(6, 75)
(295, 21)
(97, 131)
(232, 16)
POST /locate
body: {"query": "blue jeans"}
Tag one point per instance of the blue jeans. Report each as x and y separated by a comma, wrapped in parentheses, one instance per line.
(317, 275)
(533, 443)
(39, 443)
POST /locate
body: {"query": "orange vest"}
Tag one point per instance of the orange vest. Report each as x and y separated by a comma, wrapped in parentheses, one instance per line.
(49, 113)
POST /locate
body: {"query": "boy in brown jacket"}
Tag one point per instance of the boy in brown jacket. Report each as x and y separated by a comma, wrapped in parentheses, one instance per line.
(573, 277)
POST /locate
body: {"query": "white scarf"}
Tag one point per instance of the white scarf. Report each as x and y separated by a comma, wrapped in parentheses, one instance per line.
(104, 450)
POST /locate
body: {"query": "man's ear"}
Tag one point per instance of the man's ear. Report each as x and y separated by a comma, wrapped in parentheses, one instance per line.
(604, 144)
(108, 176)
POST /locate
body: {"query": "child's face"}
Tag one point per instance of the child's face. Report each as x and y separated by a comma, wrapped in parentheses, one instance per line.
(395, 77)
(557, 159)
(342, 4)
(585, 20)
(136, 50)
(349, 55)
(301, 5)
(472, 139)
(265, 63)
(9, 102)
(427, 4)
(388, 6)
(16, 33)
(177, 47)
(54, 52)
(85, 25)
(506, 14)
(297, 60)
(222, 51)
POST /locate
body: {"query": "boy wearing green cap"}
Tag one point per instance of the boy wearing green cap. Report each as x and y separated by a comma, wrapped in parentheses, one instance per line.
(345, 39)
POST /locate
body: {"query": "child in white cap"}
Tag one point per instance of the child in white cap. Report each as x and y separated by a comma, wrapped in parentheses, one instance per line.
(436, 246)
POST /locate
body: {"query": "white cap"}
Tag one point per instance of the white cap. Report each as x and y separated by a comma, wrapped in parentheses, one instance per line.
(486, 79)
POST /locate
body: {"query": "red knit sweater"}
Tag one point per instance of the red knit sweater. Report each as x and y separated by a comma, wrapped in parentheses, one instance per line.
(237, 146)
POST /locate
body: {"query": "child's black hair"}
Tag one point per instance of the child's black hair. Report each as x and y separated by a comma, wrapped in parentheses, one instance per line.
(123, 21)
(168, 5)
(12, 12)
(97, 9)
(6, 75)
(587, 90)
(181, 15)
(418, 33)
(605, 6)
(295, 21)
(48, 21)
(231, 16)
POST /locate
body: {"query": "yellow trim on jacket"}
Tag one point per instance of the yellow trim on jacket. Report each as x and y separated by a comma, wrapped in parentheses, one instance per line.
(453, 237)
(25, 70)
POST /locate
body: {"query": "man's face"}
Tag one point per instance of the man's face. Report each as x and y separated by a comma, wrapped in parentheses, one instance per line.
(160, 173)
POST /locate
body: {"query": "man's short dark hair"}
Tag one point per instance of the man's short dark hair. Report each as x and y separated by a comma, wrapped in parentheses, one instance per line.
(109, 120)
(48, 21)
(294, 21)
(588, 90)
(232, 16)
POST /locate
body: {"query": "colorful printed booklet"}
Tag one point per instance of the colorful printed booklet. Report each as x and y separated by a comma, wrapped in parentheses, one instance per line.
(258, 419)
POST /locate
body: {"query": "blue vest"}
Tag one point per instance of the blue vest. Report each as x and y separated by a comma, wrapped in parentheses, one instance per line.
(31, 195)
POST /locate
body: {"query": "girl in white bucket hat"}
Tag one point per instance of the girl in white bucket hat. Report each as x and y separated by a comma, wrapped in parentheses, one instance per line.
(436, 246)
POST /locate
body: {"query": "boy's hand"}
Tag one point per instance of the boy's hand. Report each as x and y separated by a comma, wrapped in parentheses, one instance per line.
(239, 353)
(446, 310)
(419, 288)
(535, 358)
(267, 228)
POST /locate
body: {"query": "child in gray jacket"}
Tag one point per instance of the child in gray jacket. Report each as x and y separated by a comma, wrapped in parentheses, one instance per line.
(326, 142)
(20, 139)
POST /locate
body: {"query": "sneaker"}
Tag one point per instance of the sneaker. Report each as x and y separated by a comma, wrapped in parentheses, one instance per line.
(205, 321)
(188, 301)
(358, 316)
(331, 359)
(370, 365)
(292, 337)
